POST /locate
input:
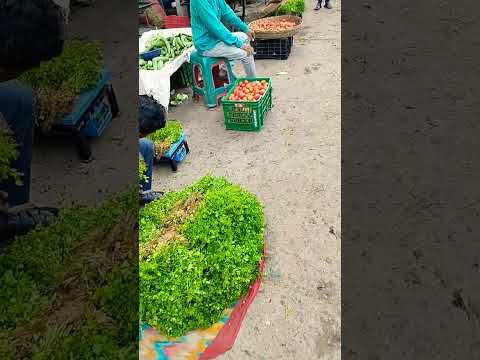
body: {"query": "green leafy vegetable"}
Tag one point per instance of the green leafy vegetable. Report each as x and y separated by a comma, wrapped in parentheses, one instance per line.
(77, 246)
(178, 98)
(56, 83)
(77, 68)
(292, 7)
(165, 137)
(200, 251)
(142, 170)
(90, 341)
(8, 154)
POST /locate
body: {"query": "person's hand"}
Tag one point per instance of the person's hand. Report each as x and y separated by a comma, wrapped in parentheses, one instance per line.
(248, 49)
(251, 35)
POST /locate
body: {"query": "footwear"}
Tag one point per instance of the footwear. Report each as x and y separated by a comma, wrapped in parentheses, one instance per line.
(149, 196)
(327, 5)
(319, 6)
(28, 219)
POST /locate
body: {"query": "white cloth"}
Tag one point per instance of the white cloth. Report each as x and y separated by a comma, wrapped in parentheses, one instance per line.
(156, 83)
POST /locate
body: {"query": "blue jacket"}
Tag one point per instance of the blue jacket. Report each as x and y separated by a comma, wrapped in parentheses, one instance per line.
(206, 18)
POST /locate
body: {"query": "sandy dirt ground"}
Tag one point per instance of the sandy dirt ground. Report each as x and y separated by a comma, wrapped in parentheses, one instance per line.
(292, 165)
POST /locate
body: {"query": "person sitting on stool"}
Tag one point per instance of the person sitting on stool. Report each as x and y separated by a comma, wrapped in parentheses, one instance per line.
(211, 38)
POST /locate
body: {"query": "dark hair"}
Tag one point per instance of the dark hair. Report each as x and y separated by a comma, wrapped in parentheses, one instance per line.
(152, 115)
(31, 31)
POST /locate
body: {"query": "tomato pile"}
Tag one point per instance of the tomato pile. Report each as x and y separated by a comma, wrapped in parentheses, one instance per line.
(249, 90)
(268, 25)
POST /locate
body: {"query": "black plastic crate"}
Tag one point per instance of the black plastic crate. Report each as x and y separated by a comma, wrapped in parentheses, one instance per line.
(278, 49)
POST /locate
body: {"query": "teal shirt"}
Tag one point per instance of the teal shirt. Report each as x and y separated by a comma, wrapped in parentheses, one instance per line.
(206, 18)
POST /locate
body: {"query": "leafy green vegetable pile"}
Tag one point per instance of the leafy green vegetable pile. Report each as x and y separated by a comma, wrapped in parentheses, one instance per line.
(199, 252)
(142, 169)
(292, 7)
(170, 47)
(165, 137)
(82, 286)
(8, 154)
(77, 68)
(57, 82)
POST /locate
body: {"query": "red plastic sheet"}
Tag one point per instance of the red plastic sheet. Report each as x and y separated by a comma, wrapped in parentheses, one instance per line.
(227, 336)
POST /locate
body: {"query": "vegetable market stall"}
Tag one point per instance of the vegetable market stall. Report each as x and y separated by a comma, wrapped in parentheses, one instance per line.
(156, 83)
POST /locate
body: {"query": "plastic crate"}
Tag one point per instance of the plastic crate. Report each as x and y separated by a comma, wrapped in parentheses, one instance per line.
(176, 154)
(85, 100)
(93, 111)
(174, 21)
(247, 115)
(174, 146)
(277, 49)
(182, 78)
(99, 116)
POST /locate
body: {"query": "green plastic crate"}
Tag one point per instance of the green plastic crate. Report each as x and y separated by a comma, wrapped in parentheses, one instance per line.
(182, 78)
(247, 115)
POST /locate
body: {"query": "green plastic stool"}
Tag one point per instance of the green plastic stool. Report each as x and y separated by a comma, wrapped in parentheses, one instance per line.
(206, 80)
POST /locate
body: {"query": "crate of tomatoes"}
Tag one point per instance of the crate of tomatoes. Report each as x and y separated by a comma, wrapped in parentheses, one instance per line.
(247, 103)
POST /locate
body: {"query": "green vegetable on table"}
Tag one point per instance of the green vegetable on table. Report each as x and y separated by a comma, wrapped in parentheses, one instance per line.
(200, 249)
(170, 47)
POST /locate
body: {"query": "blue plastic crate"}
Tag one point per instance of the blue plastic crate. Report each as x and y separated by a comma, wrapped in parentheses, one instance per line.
(169, 154)
(99, 118)
(85, 100)
(176, 154)
(180, 154)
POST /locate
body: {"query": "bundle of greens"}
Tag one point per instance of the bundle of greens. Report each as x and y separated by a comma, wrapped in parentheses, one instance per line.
(57, 82)
(85, 288)
(292, 7)
(177, 98)
(164, 138)
(200, 250)
(8, 154)
(142, 170)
